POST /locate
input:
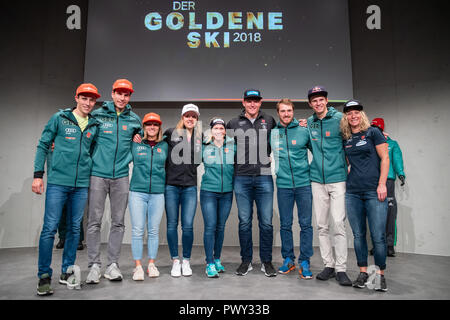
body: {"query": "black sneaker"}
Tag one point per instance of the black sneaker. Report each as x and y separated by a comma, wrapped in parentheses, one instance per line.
(44, 287)
(343, 279)
(371, 252)
(244, 268)
(268, 269)
(361, 281)
(390, 252)
(80, 246)
(60, 244)
(380, 283)
(326, 274)
(64, 277)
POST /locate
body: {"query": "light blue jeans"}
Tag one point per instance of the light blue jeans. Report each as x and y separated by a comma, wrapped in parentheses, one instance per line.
(145, 208)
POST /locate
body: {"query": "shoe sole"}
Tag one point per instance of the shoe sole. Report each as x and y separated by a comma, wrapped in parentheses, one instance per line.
(187, 275)
(113, 279)
(250, 268)
(300, 271)
(92, 281)
(212, 277)
(286, 272)
(47, 293)
(360, 287)
(268, 274)
(381, 290)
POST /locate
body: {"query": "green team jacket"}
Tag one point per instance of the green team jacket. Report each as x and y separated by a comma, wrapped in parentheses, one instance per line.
(328, 164)
(290, 150)
(395, 160)
(112, 151)
(149, 172)
(71, 159)
(219, 166)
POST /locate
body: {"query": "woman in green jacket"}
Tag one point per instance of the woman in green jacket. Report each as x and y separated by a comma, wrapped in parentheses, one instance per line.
(216, 193)
(146, 199)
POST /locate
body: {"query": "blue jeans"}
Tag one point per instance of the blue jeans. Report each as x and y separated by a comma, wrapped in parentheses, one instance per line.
(145, 208)
(186, 197)
(362, 206)
(286, 199)
(215, 209)
(259, 189)
(55, 198)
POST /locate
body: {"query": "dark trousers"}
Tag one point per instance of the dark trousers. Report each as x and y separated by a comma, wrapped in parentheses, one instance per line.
(391, 234)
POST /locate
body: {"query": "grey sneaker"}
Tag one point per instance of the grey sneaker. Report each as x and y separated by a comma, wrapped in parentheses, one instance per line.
(380, 283)
(113, 273)
(94, 275)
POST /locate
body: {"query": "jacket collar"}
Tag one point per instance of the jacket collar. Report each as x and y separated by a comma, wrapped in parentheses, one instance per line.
(294, 123)
(331, 111)
(109, 107)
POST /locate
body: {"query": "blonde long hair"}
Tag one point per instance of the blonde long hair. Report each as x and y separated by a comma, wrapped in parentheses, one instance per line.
(159, 137)
(197, 129)
(346, 130)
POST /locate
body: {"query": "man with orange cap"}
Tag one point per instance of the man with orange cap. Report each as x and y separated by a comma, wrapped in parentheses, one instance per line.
(395, 170)
(109, 176)
(73, 132)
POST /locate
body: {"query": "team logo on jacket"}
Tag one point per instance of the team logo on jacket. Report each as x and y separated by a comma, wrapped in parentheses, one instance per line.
(327, 133)
(124, 127)
(88, 135)
(294, 142)
(361, 143)
(226, 150)
(159, 150)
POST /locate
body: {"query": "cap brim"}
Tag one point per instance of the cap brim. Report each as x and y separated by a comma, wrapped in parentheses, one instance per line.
(89, 93)
(350, 108)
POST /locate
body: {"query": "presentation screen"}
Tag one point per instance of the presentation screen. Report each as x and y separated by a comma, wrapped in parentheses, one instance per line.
(207, 50)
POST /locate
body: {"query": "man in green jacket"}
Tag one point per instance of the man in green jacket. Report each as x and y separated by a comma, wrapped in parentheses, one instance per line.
(72, 131)
(110, 171)
(328, 175)
(290, 143)
(395, 170)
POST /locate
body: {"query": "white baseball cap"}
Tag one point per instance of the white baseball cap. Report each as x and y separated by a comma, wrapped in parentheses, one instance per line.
(190, 107)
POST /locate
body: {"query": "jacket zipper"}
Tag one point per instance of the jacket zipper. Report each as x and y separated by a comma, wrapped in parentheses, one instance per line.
(117, 147)
(221, 166)
(151, 170)
(321, 147)
(289, 157)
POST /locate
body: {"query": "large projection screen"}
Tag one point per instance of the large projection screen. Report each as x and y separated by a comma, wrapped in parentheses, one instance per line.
(208, 50)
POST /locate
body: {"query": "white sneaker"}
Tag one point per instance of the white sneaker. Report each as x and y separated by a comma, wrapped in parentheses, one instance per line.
(113, 273)
(94, 275)
(176, 269)
(138, 274)
(152, 270)
(186, 268)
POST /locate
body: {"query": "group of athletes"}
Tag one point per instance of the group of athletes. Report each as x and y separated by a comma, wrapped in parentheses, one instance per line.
(90, 152)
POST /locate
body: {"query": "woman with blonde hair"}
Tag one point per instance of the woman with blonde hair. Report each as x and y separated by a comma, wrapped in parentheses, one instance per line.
(367, 154)
(146, 199)
(185, 147)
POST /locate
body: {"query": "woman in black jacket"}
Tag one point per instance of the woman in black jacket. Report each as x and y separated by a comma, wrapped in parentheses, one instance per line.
(185, 146)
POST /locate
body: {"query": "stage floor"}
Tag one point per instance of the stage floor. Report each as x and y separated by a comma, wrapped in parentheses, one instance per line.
(409, 276)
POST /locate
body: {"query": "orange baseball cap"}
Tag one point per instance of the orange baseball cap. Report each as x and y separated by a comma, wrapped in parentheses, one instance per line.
(88, 88)
(152, 117)
(123, 84)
